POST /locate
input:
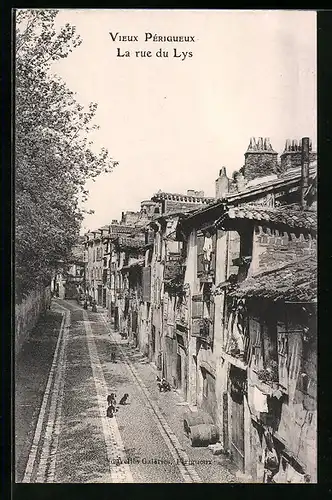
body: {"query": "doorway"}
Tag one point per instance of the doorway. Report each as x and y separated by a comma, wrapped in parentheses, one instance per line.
(236, 389)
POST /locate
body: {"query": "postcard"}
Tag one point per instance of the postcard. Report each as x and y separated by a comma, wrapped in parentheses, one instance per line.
(165, 246)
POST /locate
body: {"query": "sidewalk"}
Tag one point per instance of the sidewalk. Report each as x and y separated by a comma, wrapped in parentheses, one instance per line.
(218, 469)
(31, 374)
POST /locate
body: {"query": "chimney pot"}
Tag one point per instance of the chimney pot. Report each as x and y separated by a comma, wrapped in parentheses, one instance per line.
(240, 182)
(222, 184)
(287, 145)
(267, 145)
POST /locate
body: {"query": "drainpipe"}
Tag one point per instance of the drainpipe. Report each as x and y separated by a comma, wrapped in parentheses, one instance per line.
(304, 169)
(225, 292)
(225, 423)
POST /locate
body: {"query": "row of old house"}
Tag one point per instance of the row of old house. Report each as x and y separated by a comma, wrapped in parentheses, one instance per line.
(220, 294)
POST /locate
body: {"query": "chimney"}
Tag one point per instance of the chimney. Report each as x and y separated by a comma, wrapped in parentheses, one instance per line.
(222, 184)
(240, 182)
(260, 159)
(305, 160)
(292, 157)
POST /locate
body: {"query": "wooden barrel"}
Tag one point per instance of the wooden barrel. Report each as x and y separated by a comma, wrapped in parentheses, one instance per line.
(194, 418)
(204, 434)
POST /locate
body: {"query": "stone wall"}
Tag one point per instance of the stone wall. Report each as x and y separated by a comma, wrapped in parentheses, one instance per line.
(260, 164)
(272, 248)
(292, 159)
(28, 312)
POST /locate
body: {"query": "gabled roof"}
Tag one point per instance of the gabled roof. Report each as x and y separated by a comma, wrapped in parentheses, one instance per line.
(173, 214)
(123, 242)
(288, 180)
(296, 282)
(279, 217)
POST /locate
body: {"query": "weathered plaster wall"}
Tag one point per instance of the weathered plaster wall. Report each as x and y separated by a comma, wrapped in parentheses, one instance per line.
(272, 248)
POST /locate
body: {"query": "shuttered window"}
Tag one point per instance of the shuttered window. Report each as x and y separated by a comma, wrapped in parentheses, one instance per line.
(197, 306)
(212, 309)
(213, 256)
(200, 255)
(255, 343)
(282, 354)
(200, 238)
(197, 314)
(146, 283)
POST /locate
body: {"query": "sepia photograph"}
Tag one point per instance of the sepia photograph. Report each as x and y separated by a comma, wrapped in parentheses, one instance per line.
(165, 178)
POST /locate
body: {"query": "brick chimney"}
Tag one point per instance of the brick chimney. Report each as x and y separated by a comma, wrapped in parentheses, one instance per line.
(222, 184)
(291, 156)
(260, 159)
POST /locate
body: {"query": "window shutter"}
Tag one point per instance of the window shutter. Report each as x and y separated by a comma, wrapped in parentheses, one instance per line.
(146, 282)
(213, 256)
(200, 255)
(197, 306)
(196, 314)
(196, 327)
(255, 343)
(212, 308)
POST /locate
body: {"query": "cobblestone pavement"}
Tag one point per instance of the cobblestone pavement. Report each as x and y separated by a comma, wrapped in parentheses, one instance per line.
(70, 439)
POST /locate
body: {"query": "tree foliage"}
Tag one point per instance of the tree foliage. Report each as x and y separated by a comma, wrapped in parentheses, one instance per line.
(54, 155)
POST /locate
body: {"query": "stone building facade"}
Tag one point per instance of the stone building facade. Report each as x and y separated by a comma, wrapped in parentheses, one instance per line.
(219, 293)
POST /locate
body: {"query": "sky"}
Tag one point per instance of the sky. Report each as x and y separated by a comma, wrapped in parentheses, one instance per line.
(173, 123)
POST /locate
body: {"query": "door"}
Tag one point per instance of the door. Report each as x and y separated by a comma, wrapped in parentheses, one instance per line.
(237, 436)
(104, 297)
(100, 297)
(134, 321)
(179, 371)
(209, 401)
(153, 335)
(116, 318)
(237, 379)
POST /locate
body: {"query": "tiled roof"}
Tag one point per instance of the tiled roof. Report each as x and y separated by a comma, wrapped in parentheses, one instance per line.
(296, 281)
(282, 216)
(123, 242)
(117, 230)
(288, 179)
(121, 229)
(175, 213)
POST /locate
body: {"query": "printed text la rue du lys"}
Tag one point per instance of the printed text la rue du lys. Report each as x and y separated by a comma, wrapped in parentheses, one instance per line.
(161, 52)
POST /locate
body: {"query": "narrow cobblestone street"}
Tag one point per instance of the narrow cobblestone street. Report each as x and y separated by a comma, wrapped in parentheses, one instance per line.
(62, 432)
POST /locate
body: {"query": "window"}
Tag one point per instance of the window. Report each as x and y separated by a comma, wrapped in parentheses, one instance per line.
(246, 245)
(146, 283)
(206, 253)
(202, 313)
